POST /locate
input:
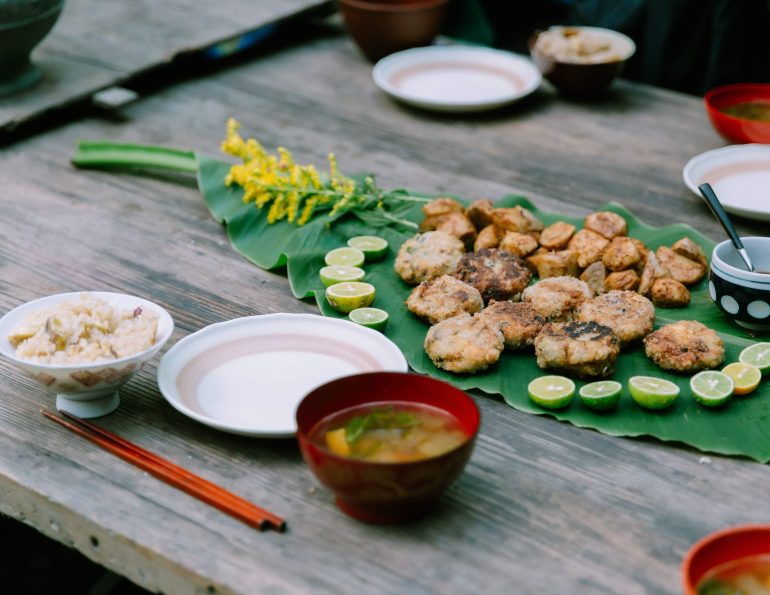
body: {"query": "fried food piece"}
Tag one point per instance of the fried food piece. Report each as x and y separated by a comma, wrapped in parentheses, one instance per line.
(480, 212)
(464, 344)
(516, 219)
(442, 298)
(689, 249)
(518, 244)
(685, 346)
(642, 250)
(628, 314)
(595, 276)
(428, 255)
(497, 274)
(652, 270)
(582, 349)
(489, 237)
(622, 280)
(589, 245)
(519, 322)
(621, 254)
(669, 293)
(557, 298)
(459, 226)
(555, 264)
(557, 235)
(607, 224)
(682, 269)
(436, 209)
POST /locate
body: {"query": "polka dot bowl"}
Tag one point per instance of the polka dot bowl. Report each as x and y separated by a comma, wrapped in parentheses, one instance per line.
(741, 295)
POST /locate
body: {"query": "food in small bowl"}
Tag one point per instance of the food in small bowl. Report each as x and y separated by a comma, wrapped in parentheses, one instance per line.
(580, 61)
(387, 443)
(84, 345)
(740, 112)
(741, 295)
(734, 560)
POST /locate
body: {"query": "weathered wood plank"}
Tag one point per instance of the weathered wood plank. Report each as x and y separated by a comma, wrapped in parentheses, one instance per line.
(543, 506)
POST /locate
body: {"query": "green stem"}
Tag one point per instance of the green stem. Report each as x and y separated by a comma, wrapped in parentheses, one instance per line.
(109, 155)
(403, 222)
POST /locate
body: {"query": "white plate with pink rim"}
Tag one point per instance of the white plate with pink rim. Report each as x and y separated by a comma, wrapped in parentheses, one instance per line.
(740, 176)
(456, 78)
(248, 375)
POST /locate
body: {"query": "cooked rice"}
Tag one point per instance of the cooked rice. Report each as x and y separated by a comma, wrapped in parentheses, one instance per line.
(569, 44)
(83, 331)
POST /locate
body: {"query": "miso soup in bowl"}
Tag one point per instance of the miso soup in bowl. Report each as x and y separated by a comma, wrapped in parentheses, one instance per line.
(386, 443)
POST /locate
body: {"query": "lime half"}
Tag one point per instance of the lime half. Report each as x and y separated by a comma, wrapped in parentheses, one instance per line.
(602, 395)
(711, 388)
(745, 376)
(345, 297)
(373, 247)
(351, 257)
(340, 274)
(551, 392)
(373, 318)
(652, 393)
(757, 355)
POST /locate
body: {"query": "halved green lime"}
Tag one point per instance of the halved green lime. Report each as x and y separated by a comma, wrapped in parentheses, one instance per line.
(757, 355)
(373, 318)
(602, 395)
(711, 388)
(347, 256)
(652, 393)
(340, 274)
(373, 247)
(551, 392)
(346, 297)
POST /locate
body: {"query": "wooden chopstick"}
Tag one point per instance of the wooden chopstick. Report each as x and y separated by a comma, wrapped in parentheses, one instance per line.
(172, 474)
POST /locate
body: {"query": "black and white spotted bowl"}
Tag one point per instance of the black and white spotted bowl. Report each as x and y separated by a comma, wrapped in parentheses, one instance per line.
(741, 295)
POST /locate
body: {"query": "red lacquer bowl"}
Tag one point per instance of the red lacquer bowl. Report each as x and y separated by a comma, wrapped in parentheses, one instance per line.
(721, 547)
(385, 492)
(732, 128)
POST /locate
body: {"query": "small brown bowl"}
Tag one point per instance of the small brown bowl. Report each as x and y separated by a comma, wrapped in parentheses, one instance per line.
(583, 79)
(376, 492)
(382, 27)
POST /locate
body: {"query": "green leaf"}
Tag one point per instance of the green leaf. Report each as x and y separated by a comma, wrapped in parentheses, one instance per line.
(355, 428)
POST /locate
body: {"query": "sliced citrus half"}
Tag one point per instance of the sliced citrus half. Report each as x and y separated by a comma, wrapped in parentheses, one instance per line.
(601, 395)
(757, 355)
(711, 388)
(745, 376)
(373, 318)
(652, 393)
(551, 392)
(347, 256)
(346, 297)
(340, 273)
(373, 247)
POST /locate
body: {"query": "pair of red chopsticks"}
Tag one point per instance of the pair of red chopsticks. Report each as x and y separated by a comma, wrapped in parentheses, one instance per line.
(172, 474)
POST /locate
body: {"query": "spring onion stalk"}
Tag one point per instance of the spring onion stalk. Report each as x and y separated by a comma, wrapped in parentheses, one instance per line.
(110, 155)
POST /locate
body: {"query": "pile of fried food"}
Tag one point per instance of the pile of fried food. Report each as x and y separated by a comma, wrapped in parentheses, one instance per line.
(594, 297)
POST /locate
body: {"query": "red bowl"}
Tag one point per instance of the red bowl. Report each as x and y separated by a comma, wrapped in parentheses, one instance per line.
(721, 547)
(732, 128)
(385, 492)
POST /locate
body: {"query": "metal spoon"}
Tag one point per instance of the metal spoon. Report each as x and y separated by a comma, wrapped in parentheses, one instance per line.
(716, 209)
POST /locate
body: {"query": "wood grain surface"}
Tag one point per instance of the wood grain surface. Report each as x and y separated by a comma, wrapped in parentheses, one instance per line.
(543, 507)
(96, 44)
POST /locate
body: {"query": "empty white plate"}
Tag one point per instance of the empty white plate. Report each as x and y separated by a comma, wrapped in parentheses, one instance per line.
(248, 375)
(456, 78)
(740, 176)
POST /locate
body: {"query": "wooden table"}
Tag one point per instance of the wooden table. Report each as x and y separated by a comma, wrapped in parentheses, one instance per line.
(543, 507)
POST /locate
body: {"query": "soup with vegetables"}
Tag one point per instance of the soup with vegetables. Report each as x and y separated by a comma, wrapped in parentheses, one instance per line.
(393, 432)
(745, 576)
(749, 110)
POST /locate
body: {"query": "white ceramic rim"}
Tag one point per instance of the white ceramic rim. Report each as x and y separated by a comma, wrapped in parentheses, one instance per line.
(625, 43)
(167, 380)
(722, 156)
(736, 275)
(164, 321)
(514, 63)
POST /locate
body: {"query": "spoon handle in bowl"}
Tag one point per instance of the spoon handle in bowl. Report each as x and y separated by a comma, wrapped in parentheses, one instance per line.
(716, 209)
